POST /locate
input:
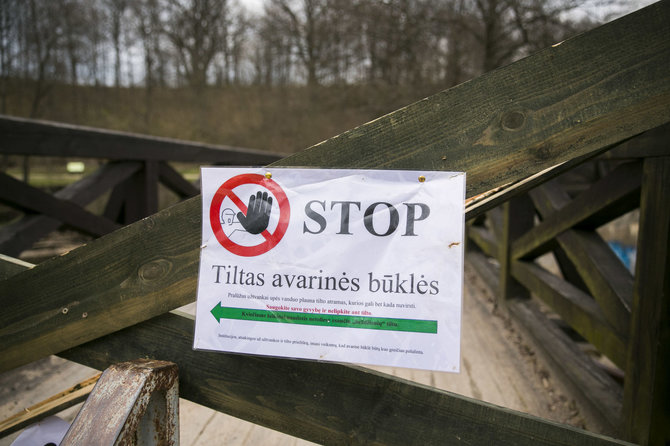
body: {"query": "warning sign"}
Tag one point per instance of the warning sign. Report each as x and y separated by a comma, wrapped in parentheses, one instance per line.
(237, 219)
(335, 265)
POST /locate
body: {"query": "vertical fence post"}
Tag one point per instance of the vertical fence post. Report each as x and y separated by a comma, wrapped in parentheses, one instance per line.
(646, 407)
(518, 215)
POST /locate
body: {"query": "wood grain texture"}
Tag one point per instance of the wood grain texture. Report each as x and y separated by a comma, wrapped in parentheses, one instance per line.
(325, 402)
(576, 98)
(589, 92)
(114, 281)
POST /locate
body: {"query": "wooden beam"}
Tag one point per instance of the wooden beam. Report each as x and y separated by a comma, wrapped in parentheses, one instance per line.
(599, 390)
(576, 97)
(596, 392)
(112, 282)
(18, 236)
(651, 143)
(606, 277)
(175, 182)
(518, 218)
(43, 138)
(326, 403)
(10, 266)
(576, 308)
(646, 414)
(475, 127)
(32, 200)
(484, 240)
(614, 195)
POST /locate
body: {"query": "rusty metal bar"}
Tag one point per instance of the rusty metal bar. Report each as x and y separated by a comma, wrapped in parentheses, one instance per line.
(133, 403)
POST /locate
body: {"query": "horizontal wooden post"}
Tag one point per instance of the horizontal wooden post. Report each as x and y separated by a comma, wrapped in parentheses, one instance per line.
(563, 102)
(43, 138)
(116, 278)
(326, 403)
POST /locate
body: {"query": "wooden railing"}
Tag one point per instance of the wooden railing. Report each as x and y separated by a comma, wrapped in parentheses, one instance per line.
(589, 288)
(134, 167)
(510, 130)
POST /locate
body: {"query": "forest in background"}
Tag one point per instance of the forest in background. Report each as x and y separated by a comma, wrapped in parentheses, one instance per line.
(280, 76)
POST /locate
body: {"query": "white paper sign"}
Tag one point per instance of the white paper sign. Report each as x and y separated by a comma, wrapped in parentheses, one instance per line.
(333, 265)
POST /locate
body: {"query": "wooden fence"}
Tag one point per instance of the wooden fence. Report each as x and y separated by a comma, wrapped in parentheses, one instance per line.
(133, 169)
(510, 130)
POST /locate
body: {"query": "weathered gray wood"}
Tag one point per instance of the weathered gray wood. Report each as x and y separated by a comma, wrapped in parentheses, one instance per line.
(608, 280)
(566, 101)
(651, 143)
(42, 138)
(646, 414)
(10, 266)
(606, 200)
(576, 308)
(325, 402)
(20, 195)
(18, 236)
(598, 392)
(114, 281)
(620, 63)
(484, 240)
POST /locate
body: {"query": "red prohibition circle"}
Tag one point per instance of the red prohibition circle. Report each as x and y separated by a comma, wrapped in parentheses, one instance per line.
(226, 190)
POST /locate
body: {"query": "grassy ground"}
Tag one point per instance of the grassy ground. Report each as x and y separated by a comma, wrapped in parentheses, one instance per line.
(283, 119)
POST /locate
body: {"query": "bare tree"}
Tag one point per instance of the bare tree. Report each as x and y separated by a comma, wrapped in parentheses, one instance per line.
(196, 28)
(9, 47)
(116, 10)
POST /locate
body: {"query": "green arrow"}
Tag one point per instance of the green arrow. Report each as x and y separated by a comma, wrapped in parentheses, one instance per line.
(218, 312)
(327, 320)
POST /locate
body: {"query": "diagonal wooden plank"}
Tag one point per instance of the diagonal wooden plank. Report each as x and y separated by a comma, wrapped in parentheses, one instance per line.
(324, 402)
(118, 280)
(575, 307)
(21, 195)
(177, 183)
(614, 195)
(16, 237)
(608, 280)
(564, 102)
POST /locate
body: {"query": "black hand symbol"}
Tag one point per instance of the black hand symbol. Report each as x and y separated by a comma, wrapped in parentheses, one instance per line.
(258, 213)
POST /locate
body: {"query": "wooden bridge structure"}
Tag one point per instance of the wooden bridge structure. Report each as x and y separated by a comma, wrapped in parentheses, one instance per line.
(602, 97)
